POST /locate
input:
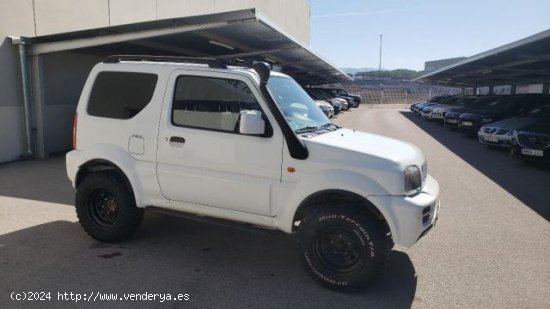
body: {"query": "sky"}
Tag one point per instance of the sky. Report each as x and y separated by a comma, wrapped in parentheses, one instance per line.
(346, 32)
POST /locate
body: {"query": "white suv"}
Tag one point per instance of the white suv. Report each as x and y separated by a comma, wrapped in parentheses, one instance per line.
(194, 137)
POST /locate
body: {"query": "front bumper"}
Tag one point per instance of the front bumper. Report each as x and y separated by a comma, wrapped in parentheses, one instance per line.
(438, 116)
(427, 115)
(517, 153)
(501, 140)
(451, 122)
(468, 126)
(410, 217)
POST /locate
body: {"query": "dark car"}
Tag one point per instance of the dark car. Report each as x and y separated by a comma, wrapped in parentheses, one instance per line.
(532, 143)
(315, 94)
(420, 107)
(503, 107)
(341, 92)
(349, 101)
(452, 116)
(440, 110)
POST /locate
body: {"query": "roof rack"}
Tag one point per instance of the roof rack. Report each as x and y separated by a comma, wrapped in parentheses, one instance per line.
(211, 62)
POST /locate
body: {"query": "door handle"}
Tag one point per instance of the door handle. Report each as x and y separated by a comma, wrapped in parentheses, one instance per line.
(177, 139)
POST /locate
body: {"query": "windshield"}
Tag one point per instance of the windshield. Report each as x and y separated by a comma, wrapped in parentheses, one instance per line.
(300, 111)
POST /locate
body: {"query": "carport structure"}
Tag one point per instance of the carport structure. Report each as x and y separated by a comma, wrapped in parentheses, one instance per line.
(526, 61)
(233, 37)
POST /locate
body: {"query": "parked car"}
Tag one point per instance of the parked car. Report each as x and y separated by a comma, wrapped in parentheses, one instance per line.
(417, 108)
(325, 107)
(532, 142)
(318, 95)
(504, 107)
(346, 101)
(413, 106)
(440, 110)
(247, 147)
(420, 107)
(452, 116)
(500, 133)
(341, 92)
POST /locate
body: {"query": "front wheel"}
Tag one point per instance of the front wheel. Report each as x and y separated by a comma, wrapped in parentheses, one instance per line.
(343, 248)
(106, 208)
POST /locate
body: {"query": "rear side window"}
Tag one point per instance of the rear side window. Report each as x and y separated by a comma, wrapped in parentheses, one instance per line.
(211, 103)
(121, 95)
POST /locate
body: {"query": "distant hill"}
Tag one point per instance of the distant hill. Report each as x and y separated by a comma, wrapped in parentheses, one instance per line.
(399, 74)
(355, 70)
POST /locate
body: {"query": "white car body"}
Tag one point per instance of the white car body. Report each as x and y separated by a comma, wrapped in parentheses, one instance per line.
(439, 111)
(325, 107)
(248, 178)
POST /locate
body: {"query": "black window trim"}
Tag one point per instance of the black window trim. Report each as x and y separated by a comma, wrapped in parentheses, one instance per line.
(268, 128)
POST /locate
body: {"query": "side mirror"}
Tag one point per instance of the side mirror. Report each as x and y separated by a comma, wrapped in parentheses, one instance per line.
(251, 123)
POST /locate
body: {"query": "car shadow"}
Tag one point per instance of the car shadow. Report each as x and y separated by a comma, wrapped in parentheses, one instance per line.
(525, 182)
(40, 180)
(218, 267)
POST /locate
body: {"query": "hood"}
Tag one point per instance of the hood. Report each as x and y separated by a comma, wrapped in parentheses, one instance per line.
(442, 107)
(380, 158)
(481, 114)
(512, 123)
(541, 126)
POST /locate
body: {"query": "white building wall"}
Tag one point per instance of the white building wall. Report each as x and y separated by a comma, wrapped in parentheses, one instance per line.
(56, 16)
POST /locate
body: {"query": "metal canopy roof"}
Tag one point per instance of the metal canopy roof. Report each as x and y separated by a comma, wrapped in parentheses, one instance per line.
(230, 36)
(526, 61)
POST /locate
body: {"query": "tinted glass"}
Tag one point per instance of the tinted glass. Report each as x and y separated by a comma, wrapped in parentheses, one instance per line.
(121, 95)
(211, 103)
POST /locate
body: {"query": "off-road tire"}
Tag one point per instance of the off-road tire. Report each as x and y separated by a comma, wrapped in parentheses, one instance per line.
(360, 229)
(127, 217)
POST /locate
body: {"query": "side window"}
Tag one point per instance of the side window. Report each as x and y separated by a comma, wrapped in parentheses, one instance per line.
(121, 95)
(211, 103)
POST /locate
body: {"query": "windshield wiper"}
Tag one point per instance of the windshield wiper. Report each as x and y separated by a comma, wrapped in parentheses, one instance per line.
(307, 129)
(328, 125)
(314, 128)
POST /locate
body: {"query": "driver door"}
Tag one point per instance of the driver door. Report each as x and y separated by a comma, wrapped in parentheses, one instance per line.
(202, 157)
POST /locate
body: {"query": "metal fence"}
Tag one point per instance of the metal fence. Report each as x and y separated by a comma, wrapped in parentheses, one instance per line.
(398, 96)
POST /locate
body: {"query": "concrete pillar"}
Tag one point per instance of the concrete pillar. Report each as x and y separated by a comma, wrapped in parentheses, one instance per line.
(546, 88)
(37, 86)
(513, 89)
(474, 90)
(491, 90)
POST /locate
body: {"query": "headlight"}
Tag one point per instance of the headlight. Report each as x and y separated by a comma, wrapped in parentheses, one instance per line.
(486, 119)
(413, 178)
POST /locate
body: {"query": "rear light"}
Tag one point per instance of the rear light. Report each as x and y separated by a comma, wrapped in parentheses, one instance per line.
(75, 120)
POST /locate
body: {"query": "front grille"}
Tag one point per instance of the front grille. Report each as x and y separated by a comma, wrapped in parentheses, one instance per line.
(534, 141)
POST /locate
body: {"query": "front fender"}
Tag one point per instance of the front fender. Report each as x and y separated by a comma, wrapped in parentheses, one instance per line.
(342, 180)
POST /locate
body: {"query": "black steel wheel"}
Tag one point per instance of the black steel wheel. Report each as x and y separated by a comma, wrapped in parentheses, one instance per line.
(106, 207)
(342, 247)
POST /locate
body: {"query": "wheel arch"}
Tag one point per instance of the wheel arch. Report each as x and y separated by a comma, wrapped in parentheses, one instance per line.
(324, 197)
(102, 165)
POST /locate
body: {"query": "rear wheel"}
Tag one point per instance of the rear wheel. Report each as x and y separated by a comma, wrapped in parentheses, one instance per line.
(343, 248)
(106, 207)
